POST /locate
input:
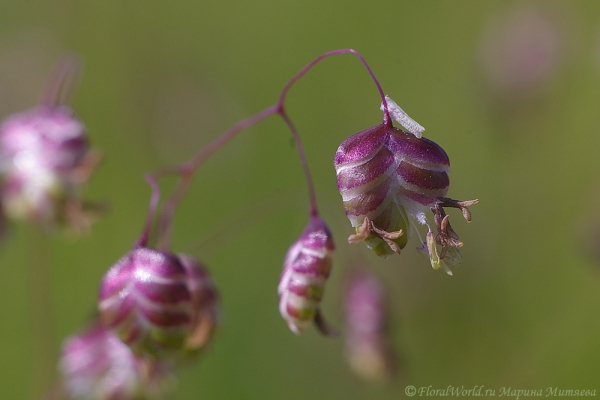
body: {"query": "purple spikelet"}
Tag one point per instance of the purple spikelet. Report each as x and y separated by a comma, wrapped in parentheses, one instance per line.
(366, 179)
(95, 364)
(422, 170)
(366, 342)
(51, 135)
(389, 179)
(305, 270)
(43, 154)
(204, 302)
(145, 300)
(45, 158)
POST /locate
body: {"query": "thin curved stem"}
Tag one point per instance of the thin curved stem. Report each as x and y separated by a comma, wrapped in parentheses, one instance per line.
(386, 114)
(188, 169)
(62, 82)
(311, 186)
(154, 199)
(41, 313)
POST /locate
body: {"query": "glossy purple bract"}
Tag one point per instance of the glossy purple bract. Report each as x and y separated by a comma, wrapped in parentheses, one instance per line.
(388, 176)
(145, 300)
(204, 302)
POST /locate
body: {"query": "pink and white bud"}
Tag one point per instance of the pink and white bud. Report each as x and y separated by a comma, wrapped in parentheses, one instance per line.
(145, 299)
(45, 157)
(366, 343)
(96, 365)
(39, 152)
(204, 303)
(49, 137)
(305, 270)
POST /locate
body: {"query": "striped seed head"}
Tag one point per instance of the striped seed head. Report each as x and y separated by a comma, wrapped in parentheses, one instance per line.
(41, 152)
(95, 364)
(49, 137)
(45, 158)
(204, 302)
(422, 170)
(366, 179)
(145, 299)
(389, 178)
(366, 343)
(385, 176)
(305, 270)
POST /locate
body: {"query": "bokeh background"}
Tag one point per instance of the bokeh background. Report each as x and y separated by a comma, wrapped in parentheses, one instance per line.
(509, 89)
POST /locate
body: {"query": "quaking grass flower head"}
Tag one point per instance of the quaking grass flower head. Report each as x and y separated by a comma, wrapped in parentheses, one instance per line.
(160, 304)
(45, 158)
(389, 179)
(204, 301)
(306, 268)
(145, 300)
(50, 137)
(96, 365)
(366, 343)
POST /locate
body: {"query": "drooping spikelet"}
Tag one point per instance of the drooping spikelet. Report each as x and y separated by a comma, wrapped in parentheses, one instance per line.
(44, 156)
(204, 303)
(305, 270)
(366, 341)
(422, 170)
(384, 175)
(389, 179)
(145, 300)
(366, 179)
(96, 365)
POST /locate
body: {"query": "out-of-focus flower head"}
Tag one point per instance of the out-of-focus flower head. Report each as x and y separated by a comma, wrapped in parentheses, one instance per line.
(160, 304)
(366, 343)
(96, 365)
(389, 179)
(204, 301)
(522, 49)
(145, 300)
(45, 158)
(305, 270)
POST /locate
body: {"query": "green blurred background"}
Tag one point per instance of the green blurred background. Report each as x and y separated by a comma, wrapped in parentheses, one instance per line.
(509, 89)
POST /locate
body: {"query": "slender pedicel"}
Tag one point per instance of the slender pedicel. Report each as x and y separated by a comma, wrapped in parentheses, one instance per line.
(188, 169)
(62, 83)
(154, 199)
